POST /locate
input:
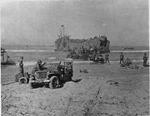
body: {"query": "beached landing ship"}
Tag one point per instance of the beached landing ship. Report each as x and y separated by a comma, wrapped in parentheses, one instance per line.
(81, 48)
(5, 59)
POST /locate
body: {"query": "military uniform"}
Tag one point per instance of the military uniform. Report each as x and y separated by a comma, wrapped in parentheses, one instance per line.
(121, 58)
(145, 58)
(21, 69)
(107, 58)
(38, 67)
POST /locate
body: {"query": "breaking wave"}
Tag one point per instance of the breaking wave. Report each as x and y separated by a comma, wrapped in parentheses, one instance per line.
(30, 50)
(52, 58)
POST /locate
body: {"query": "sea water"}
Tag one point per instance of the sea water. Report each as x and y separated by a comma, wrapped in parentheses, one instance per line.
(32, 53)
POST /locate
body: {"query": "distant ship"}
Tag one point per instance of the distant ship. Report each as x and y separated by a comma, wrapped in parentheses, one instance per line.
(5, 59)
(128, 48)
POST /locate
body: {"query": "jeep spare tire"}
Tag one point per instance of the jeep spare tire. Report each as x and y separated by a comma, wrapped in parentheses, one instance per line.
(54, 82)
(23, 80)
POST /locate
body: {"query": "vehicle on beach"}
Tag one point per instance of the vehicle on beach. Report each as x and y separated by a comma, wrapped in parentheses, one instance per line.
(97, 59)
(5, 59)
(55, 75)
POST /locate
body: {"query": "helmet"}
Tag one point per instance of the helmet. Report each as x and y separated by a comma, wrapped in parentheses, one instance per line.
(39, 61)
(21, 57)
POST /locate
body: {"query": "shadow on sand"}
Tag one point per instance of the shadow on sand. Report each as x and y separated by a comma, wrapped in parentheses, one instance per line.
(39, 85)
(76, 80)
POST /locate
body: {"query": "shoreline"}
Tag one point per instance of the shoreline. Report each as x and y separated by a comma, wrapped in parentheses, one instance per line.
(75, 61)
(89, 65)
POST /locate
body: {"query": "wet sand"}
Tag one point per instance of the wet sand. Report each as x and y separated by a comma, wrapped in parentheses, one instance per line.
(106, 90)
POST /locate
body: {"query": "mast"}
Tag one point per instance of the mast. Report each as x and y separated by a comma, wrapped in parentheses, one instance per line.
(62, 30)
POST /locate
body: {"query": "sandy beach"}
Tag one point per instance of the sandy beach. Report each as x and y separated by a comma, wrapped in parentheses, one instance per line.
(83, 31)
(106, 90)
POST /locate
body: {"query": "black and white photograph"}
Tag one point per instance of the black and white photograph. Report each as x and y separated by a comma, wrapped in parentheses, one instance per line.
(74, 57)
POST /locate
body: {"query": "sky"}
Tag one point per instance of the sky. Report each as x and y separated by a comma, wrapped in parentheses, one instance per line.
(124, 22)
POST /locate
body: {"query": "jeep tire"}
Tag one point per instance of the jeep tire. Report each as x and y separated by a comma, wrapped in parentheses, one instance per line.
(54, 82)
(23, 80)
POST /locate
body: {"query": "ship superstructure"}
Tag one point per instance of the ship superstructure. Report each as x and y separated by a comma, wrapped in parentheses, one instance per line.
(64, 43)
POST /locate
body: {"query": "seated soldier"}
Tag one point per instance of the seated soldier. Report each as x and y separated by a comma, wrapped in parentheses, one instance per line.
(122, 65)
(38, 66)
(128, 62)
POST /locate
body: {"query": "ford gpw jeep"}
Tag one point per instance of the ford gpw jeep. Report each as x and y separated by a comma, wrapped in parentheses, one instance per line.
(55, 75)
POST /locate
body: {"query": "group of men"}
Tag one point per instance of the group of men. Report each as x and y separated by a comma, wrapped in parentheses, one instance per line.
(39, 66)
(128, 61)
(121, 58)
(145, 59)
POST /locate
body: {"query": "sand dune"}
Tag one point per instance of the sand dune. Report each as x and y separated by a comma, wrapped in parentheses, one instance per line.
(106, 90)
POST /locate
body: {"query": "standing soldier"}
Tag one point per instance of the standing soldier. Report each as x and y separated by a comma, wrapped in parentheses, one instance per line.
(121, 58)
(107, 58)
(38, 67)
(21, 69)
(145, 58)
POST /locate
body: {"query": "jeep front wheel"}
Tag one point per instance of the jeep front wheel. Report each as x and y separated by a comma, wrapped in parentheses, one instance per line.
(54, 82)
(23, 80)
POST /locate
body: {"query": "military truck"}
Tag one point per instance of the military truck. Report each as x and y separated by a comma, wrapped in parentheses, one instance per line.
(55, 75)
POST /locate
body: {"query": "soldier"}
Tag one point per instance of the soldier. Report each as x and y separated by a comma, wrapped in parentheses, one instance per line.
(21, 69)
(121, 58)
(38, 66)
(107, 58)
(145, 58)
(127, 62)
